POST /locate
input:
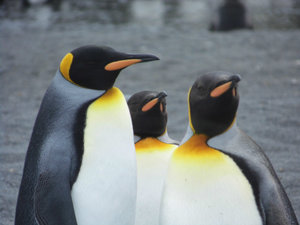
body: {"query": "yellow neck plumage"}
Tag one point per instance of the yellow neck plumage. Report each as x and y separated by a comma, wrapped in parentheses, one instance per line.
(152, 144)
(196, 150)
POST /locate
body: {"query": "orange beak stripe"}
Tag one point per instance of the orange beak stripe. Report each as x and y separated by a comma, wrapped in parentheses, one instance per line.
(234, 91)
(220, 89)
(161, 107)
(117, 65)
(150, 105)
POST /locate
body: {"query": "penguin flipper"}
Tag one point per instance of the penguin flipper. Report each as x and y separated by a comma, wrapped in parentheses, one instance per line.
(52, 194)
(275, 204)
(53, 203)
(271, 199)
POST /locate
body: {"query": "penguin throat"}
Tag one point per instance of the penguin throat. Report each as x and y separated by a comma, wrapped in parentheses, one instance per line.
(151, 144)
(149, 127)
(196, 144)
(210, 129)
(196, 150)
(200, 140)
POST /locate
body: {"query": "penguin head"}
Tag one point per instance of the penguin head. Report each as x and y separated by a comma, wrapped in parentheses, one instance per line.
(97, 67)
(148, 113)
(213, 102)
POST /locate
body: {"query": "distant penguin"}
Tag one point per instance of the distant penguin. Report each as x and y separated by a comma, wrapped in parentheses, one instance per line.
(218, 175)
(153, 151)
(80, 165)
(231, 15)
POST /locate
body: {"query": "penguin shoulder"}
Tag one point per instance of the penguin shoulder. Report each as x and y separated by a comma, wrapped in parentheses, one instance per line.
(273, 203)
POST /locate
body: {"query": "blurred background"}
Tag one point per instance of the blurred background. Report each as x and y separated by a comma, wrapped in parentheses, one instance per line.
(265, 14)
(258, 39)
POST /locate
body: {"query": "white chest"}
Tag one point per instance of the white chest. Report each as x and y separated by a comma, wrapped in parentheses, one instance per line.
(151, 171)
(213, 193)
(105, 189)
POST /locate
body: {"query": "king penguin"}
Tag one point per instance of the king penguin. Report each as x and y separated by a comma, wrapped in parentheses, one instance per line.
(153, 150)
(80, 166)
(218, 175)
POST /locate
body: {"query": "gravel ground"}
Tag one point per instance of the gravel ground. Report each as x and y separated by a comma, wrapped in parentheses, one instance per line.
(267, 59)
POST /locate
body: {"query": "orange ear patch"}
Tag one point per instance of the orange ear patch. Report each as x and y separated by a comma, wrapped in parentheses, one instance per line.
(117, 65)
(65, 66)
(150, 105)
(220, 89)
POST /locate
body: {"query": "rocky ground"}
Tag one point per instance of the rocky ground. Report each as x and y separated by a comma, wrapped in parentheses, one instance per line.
(267, 59)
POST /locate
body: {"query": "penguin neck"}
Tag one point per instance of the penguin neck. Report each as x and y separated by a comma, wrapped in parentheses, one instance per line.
(191, 131)
(163, 138)
(110, 94)
(137, 137)
(68, 88)
(195, 149)
(150, 144)
(198, 141)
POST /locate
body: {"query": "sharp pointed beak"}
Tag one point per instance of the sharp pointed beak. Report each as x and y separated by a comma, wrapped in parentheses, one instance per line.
(128, 61)
(145, 58)
(221, 89)
(162, 95)
(236, 78)
(149, 105)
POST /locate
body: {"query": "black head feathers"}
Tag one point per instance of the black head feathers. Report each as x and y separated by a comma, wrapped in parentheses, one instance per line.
(97, 67)
(148, 113)
(213, 102)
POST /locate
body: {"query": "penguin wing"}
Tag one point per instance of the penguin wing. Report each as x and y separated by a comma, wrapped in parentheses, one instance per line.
(54, 156)
(271, 199)
(52, 196)
(62, 150)
(50, 168)
(56, 140)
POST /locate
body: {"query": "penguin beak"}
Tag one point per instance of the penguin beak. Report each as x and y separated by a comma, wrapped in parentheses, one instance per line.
(149, 105)
(221, 89)
(162, 95)
(128, 61)
(145, 58)
(235, 80)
